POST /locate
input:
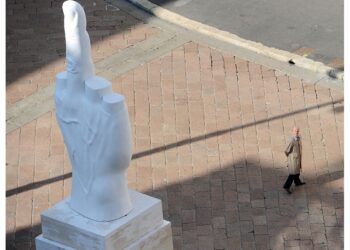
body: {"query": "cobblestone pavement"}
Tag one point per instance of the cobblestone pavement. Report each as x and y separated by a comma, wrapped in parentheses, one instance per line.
(209, 130)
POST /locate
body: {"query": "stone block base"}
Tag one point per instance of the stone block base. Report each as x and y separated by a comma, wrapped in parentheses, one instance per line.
(143, 228)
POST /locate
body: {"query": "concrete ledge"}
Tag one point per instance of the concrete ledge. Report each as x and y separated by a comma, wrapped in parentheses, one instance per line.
(63, 228)
(280, 55)
(158, 239)
(42, 243)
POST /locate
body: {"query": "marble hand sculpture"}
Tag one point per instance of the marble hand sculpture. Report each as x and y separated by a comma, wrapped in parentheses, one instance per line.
(95, 125)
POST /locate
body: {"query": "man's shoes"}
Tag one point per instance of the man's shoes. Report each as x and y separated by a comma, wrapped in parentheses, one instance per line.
(288, 191)
(300, 184)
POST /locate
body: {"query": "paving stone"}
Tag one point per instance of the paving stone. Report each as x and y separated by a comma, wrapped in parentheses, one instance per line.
(209, 130)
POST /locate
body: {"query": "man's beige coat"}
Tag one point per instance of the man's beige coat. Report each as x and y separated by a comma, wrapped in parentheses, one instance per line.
(293, 152)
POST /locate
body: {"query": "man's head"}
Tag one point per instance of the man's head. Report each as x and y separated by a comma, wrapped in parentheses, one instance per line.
(296, 131)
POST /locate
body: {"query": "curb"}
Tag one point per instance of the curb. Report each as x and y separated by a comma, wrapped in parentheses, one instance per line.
(280, 55)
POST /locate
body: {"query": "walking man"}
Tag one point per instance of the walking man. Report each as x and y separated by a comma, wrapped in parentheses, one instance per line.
(293, 152)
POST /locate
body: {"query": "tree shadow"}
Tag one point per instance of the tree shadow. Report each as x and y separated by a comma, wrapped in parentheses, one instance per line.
(222, 209)
(35, 33)
(242, 205)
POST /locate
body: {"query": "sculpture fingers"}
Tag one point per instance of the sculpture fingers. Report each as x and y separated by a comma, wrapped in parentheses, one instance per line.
(74, 20)
(118, 127)
(61, 83)
(96, 87)
(62, 104)
(78, 48)
(95, 124)
(113, 103)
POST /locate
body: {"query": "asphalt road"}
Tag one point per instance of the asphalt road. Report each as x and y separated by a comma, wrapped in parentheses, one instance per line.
(284, 24)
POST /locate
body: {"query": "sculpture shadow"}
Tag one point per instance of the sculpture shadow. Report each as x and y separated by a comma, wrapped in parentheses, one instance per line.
(232, 207)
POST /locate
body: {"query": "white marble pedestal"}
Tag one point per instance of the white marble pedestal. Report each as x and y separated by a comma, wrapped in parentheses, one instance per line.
(143, 228)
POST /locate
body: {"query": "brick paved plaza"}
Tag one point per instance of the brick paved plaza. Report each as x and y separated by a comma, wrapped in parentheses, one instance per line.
(209, 130)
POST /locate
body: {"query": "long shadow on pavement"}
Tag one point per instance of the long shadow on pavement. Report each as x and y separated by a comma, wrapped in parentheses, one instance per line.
(174, 145)
(242, 205)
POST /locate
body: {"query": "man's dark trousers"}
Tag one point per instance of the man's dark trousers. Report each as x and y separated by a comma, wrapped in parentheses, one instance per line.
(290, 179)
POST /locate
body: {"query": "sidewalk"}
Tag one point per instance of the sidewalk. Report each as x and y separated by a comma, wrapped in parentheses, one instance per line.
(209, 130)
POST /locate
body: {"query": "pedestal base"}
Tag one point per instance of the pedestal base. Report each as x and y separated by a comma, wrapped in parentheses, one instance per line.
(142, 228)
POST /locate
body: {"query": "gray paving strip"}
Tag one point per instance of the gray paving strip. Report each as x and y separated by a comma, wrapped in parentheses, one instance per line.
(29, 108)
(170, 37)
(134, 56)
(42, 101)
